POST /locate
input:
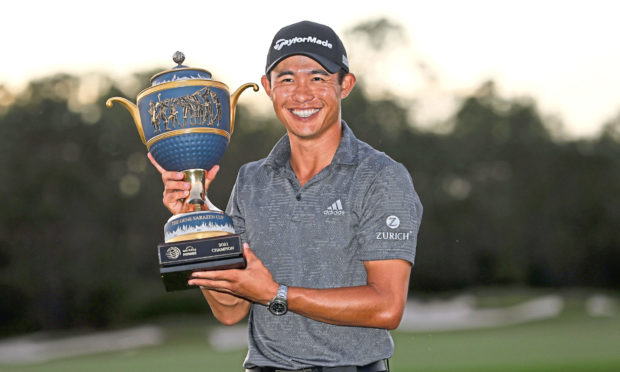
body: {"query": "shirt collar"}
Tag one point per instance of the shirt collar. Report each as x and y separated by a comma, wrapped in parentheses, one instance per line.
(345, 154)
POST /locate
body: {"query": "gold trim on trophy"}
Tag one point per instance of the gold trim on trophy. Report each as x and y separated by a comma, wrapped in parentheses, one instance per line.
(233, 102)
(133, 110)
(181, 84)
(179, 132)
(198, 235)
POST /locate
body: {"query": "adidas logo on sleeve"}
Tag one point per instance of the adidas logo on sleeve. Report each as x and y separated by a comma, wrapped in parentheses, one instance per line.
(335, 209)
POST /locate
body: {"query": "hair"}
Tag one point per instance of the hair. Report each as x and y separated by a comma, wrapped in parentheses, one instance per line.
(341, 74)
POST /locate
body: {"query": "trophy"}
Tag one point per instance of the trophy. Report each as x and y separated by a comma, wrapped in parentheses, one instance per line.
(185, 119)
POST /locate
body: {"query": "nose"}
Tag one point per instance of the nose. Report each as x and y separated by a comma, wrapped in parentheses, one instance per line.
(302, 92)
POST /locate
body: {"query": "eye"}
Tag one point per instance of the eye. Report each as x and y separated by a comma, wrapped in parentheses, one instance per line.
(318, 78)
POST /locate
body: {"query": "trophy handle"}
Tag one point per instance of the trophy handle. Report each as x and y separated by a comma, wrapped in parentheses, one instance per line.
(233, 102)
(133, 110)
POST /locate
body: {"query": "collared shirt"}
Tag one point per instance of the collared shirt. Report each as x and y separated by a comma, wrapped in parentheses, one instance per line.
(361, 207)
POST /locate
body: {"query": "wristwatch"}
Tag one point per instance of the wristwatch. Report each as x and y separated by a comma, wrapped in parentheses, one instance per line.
(279, 305)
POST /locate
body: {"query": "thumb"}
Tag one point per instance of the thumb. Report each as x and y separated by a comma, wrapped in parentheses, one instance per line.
(210, 176)
(248, 253)
(159, 168)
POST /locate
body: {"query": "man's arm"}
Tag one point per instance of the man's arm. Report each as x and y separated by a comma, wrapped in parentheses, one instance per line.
(226, 308)
(378, 304)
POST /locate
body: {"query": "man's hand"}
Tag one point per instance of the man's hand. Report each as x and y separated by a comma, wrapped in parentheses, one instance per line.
(254, 283)
(176, 190)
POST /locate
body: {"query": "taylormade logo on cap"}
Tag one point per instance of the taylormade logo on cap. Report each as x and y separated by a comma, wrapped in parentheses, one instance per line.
(308, 39)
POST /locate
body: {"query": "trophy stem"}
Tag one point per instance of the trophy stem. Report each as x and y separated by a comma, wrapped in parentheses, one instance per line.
(197, 197)
(210, 205)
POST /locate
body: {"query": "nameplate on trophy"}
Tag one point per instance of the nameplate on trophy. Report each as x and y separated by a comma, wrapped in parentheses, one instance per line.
(177, 261)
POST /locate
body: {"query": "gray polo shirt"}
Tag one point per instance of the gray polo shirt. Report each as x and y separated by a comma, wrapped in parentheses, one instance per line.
(362, 207)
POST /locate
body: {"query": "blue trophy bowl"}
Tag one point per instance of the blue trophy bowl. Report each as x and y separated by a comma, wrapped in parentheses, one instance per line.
(186, 127)
(189, 151)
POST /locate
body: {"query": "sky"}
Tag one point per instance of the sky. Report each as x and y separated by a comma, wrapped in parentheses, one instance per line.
(563, 54)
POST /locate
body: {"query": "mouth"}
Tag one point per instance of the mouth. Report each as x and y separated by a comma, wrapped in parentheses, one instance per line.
(306, 113)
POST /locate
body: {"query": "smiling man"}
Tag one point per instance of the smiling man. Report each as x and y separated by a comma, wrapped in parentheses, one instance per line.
(329, 225)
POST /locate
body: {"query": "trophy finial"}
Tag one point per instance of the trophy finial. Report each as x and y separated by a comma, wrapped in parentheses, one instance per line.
(178, 57)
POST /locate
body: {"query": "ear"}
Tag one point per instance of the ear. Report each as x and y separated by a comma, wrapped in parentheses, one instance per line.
(264, 80)
(348, 82)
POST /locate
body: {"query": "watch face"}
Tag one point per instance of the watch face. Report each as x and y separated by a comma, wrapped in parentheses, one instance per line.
(278, 307)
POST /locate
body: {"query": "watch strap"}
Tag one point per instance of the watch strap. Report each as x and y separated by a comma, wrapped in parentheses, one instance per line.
(282, 292)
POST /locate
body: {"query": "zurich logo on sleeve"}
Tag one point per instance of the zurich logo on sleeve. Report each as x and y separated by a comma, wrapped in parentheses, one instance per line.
(393, 222)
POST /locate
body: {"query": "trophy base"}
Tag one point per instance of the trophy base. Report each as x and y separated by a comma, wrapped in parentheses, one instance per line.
(178, 260)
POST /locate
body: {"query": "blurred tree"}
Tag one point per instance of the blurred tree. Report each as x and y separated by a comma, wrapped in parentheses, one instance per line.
(396, 71)
(80, 226)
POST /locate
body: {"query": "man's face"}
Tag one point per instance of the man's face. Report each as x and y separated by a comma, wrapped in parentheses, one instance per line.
(306, 97)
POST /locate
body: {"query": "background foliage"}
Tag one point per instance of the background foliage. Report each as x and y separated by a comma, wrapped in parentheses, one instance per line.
(506, 202)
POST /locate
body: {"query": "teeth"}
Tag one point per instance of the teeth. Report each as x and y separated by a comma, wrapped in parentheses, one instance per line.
(305, 113)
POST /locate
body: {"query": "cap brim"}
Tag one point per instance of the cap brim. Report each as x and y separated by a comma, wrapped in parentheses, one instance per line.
(326, 63)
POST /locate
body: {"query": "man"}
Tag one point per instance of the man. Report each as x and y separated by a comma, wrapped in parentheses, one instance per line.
(332, 224)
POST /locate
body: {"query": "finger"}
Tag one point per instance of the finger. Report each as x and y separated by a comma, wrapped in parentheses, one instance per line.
(215, 276)
(212, 172)
(167, 176)
(211, 285)
(210, 175)
(176, 186)
(173, 197)
(248, 253)
(155, 163)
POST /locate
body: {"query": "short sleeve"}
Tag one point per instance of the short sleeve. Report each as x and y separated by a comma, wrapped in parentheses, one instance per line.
(390, 217)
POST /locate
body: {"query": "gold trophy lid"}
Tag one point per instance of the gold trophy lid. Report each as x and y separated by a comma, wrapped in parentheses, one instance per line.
(180, 72)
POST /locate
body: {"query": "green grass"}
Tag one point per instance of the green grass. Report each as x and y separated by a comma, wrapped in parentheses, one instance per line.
(185, 349)
(572, 342)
